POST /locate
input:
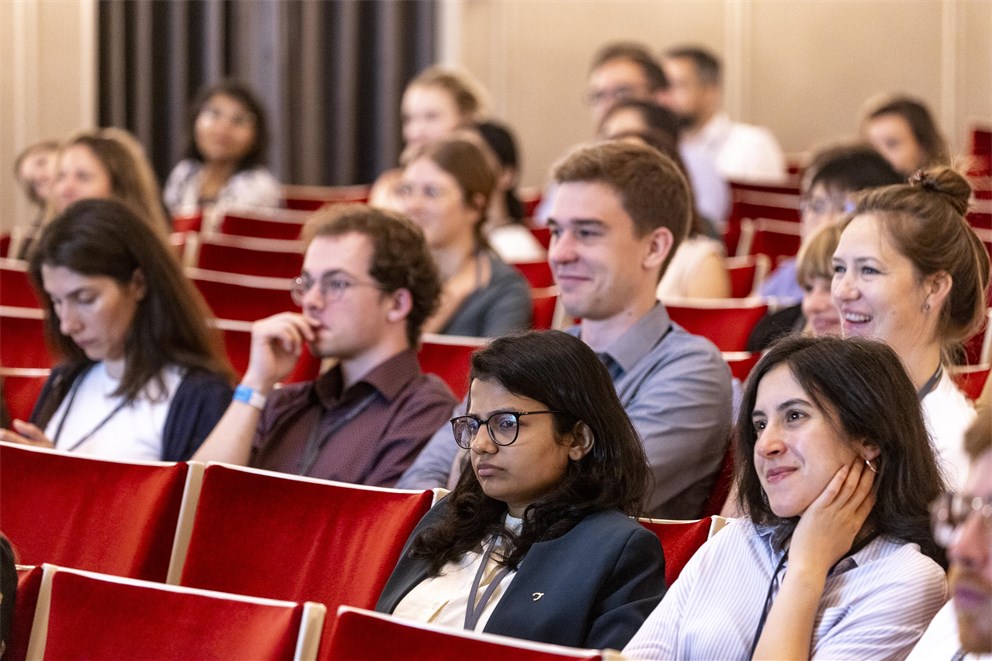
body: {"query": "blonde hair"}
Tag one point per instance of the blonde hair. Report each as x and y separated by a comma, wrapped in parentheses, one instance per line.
(815, 259)
(467, 93)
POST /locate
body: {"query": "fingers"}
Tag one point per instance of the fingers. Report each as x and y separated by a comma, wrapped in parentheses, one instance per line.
(289, 331)
(26, 434)
(29, 431)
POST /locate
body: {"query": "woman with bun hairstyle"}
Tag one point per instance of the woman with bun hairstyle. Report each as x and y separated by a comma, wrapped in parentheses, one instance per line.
(909, 270)
(142, 376)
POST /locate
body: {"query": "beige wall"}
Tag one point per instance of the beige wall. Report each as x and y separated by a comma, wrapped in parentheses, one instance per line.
(47, 82)
(804, 69)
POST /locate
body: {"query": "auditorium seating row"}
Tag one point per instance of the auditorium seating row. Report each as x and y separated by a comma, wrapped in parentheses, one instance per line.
(222, 528)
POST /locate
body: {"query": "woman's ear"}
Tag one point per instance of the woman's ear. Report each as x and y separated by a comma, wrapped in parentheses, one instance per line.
(868, 451)
(138, 284)
(937, 288)
(582, 441)
(479, 202)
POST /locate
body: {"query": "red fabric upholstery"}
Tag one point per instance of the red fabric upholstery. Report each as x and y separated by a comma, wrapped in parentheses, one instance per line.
(759, 201)
(971, 379)
(93, 617)
(679, 540)
(271, 535)
(109, 516)
(15, 285)
(22, 332)
(450, 358)
(266, 257)
(538, 274)
(721, 488)
(543, 303)
(543, 236)
(21, 387)
(727, 323)
(187, 223)
(742, 279)
(28, 584)
(5, 241)
(774, 238)
(741, 363)
(241, 297)
(362, 636)
(274, 225)
(311, 198)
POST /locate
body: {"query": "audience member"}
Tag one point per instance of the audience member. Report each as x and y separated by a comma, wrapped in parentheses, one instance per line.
(621, 71)
(544, 512)
(446, 190)
(816, 315)
(505, 227)
(963, 523)
(740, 152)
(620, 211)
(903, 131)
(107, 163)
(909, 270)
(34, 169)
(834, 558)
(697, 269)
(142, 376)
(8, 591)
(437, 102)
(831, 180)
(368, 284)
(224, 165)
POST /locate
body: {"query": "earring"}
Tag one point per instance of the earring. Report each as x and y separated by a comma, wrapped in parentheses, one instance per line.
(926, 306)
(870, 467)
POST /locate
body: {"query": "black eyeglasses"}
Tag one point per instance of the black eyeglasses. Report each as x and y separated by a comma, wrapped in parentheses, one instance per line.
(950, 511)
(503, 427)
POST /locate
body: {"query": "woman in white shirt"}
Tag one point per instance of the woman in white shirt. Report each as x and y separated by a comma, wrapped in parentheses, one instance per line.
(909, 270)
(141, 376)
(536, 540)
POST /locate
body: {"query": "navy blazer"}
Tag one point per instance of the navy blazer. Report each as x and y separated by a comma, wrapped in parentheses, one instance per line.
(592, 587)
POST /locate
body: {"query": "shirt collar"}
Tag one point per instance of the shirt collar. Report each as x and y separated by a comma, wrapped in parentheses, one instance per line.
(388, 378)
(640, 339)
(867, 553)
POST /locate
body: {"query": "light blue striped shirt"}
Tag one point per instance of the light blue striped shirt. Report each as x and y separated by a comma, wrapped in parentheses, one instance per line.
(876, 604)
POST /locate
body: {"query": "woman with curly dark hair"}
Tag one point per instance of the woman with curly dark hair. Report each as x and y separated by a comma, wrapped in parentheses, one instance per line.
(536, 541)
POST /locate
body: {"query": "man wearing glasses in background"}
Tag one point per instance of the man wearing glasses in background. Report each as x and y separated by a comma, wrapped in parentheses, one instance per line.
(963, 628)
(368, 284)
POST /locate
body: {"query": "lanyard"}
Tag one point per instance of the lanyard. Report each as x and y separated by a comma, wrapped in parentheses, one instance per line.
(68, 407)
(474, 613)
(931, 383)
(315, 445)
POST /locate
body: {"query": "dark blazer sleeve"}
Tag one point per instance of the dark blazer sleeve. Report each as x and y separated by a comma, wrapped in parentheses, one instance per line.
(198, 404)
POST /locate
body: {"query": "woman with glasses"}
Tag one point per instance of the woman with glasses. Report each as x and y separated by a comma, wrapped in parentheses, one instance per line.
(142, 375)
(224, 166)
(536, 541)
(909, 270)
(446, 190)
(833, 558)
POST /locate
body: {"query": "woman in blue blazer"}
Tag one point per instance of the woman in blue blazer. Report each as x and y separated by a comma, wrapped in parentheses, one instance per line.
(537, 540)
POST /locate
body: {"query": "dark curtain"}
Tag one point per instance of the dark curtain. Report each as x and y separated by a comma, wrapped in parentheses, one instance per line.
(330, 73)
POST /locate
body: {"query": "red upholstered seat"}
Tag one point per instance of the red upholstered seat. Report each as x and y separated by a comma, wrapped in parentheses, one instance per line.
(110, 516)
(15, 285)
(23, 338)
(746, 273)
(774, 238)
(243, 297)
(542, 234)
(28, 586)
(971, 378)
(361, 635)
(264, 224)
(725, 322)
(191, 222)
(286, 537)
(85, 615)
(272, 258)
(449, 356)
(538, 274)
(311, 198)
(21, 387)
(680, 539)
(741, 363)
(543, 304)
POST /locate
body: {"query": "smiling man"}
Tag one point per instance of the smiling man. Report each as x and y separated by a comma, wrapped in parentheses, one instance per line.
(619, 214)
(368, 284)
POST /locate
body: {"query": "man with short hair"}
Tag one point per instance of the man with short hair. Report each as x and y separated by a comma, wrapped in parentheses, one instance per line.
(620, 211)
(963, 627)
(740, 152)
(367, 286)
(623, 70)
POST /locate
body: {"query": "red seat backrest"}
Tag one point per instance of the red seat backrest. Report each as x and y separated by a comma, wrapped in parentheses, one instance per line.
(727, 324)
(244, 298)
(23, 338)
(15, 285)
(110, 516)
(266, 257)
(538, 274)
(276, 225)
(679, 540)
(362, 635)
(543, 304)
(971, 379)
(28, 585)
(21, 387)
(449, 357)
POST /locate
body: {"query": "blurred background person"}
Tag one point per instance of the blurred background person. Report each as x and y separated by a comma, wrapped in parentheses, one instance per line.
(34, 169)
(902, 129)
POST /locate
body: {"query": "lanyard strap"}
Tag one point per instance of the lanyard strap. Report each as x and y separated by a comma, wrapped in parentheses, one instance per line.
(316, 444)
(474, 612)
(68, 407)
(931, 383)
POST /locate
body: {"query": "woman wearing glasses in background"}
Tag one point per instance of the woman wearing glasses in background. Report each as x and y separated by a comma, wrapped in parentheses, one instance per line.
(834, 557)
(535, 541)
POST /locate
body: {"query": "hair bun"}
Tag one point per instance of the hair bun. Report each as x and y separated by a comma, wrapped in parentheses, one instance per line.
(947, 183)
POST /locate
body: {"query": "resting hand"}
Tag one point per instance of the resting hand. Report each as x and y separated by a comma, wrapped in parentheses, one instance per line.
(829, 526)
(27, 434)
(276, 345)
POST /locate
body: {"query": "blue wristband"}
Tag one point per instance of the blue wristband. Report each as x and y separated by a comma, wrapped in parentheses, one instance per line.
(247, 395)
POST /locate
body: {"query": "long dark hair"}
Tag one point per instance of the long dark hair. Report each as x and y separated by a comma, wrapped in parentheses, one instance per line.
(565, 375)
(865, 385)
(106, 238)
(258, 153)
